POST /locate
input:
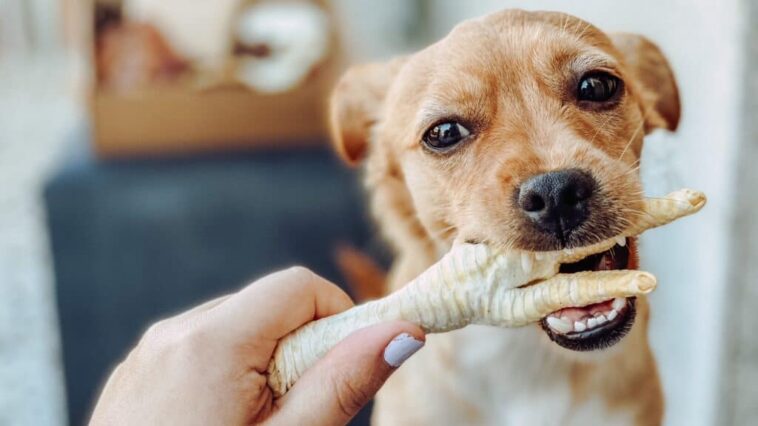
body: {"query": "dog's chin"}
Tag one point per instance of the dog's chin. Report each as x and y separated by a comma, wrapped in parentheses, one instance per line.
(597, 326)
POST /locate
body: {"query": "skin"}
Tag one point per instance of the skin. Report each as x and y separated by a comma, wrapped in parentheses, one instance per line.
(509, 77)
(206, 365)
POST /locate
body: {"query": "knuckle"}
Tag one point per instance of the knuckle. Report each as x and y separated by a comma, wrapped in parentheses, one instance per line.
(193, 338)
(156, 333)
(174, 340)
(299, 273)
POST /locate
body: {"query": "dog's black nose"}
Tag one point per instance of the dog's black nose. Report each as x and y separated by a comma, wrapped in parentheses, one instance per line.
(557, 202)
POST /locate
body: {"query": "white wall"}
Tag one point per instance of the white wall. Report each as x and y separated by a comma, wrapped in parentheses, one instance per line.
(703, 41)
(375, 30)
(29, 25)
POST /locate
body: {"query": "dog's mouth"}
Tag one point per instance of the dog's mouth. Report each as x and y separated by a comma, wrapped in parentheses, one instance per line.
(596, 326)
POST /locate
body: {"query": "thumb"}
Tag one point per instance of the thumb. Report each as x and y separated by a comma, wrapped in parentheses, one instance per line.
(339, 385)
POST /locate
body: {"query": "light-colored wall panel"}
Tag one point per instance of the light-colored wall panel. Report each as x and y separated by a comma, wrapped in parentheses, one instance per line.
(739, 389)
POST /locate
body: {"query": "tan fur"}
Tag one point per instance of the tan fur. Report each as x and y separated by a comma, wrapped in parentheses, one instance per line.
(509, 76)
(363, 275)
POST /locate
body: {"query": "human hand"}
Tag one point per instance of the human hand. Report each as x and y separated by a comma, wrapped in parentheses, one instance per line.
(207, 365)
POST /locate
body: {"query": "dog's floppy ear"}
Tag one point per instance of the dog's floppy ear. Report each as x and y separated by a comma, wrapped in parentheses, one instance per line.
(654, 74)
(356, 105)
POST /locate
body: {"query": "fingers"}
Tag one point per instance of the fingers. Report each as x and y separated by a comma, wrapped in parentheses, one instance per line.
(340, 384)
(272, 307)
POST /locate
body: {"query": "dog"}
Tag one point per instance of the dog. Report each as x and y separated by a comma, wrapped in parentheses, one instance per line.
(520, 130)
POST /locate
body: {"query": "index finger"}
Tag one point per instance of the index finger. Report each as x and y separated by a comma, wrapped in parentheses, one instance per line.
(275, 305)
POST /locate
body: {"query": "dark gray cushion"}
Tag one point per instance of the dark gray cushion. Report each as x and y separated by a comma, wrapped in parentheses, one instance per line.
(135, 241)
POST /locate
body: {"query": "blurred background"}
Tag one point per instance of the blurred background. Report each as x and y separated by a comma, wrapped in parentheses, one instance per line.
(154, 153)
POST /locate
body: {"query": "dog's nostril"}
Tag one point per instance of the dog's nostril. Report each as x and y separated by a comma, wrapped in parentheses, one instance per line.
(533, 203)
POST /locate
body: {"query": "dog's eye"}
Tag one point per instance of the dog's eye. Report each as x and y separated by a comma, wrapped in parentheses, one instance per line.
(598, 87)
(445, 135)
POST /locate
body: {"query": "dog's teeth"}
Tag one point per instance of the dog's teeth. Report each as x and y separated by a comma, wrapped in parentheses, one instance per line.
(579, 326)
(526, 262)
(621, 241)
(618, 303)
(592, 323)
(559, 325)
(601, 319)
(612, 315)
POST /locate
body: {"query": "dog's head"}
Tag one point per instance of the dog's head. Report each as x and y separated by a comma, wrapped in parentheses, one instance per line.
(519, 129)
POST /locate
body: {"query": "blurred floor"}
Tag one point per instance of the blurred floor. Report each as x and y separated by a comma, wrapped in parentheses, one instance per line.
(37, 113)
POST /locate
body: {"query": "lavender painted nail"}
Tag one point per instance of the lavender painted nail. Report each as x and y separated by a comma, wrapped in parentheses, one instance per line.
(401, 348)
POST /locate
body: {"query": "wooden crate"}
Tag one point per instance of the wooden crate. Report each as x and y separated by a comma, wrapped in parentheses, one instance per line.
(185, 116)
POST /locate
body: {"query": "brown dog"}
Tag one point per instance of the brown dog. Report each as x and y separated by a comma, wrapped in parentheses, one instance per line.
(519, 129)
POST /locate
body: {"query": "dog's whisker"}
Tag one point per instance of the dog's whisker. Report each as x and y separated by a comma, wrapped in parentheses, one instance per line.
(601, 127)
(632, 138)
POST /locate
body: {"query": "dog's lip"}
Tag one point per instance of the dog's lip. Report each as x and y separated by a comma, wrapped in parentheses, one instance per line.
(598, 325)
(599, 337)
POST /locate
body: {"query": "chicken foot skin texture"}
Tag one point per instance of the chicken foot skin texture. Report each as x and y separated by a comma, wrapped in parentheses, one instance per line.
(474, 284)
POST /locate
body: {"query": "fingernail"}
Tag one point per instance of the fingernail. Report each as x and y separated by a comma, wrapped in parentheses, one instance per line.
(400, 349)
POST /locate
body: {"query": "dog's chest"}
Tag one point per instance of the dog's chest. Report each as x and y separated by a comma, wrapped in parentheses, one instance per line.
(506, 377)
(510, 376)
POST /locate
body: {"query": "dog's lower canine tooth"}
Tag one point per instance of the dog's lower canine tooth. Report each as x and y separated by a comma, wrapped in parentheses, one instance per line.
(482, 286)
(618, 303)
